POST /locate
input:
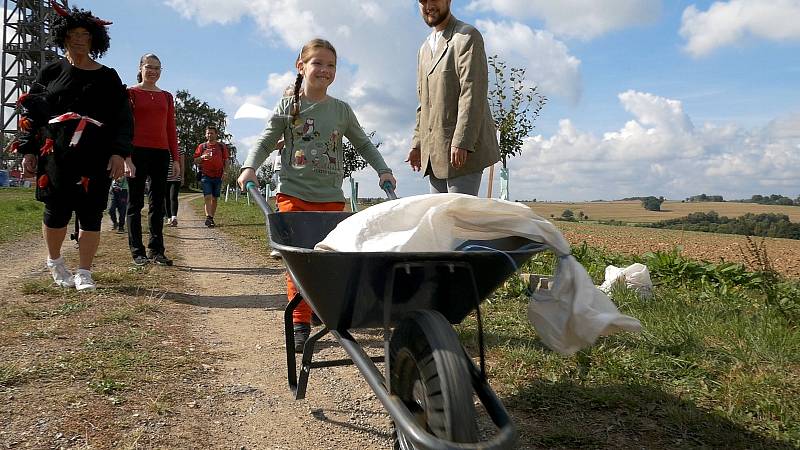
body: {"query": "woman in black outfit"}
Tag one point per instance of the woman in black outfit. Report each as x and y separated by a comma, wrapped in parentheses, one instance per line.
(75, 132)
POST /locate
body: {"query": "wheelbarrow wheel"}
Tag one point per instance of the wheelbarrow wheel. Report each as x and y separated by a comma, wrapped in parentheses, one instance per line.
(429, 373)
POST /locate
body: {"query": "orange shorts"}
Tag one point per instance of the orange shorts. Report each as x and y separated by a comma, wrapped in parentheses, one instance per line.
(286, 203)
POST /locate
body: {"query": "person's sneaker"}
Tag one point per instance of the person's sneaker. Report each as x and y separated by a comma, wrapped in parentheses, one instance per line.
(140, 260)
(160, 259)
(301, 333)
(209, 221)
(61, 275)
(114, 225)
(121, 229)
(275, 254)
(173, 222)
(84, 281)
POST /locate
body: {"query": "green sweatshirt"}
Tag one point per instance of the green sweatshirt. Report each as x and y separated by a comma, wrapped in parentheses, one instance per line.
(311, 161)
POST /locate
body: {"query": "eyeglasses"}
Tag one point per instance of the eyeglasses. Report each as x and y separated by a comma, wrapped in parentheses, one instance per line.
(149, 67)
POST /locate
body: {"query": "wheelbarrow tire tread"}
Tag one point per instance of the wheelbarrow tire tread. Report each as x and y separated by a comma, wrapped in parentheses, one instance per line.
(425, 348)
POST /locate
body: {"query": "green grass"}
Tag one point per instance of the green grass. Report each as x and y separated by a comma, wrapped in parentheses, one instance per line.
(716, 364)
(20, 214)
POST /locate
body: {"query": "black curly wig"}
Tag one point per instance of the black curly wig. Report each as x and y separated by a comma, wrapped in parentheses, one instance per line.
(79, 18)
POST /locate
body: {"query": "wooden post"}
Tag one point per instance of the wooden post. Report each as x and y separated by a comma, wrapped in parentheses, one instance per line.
(491, 180)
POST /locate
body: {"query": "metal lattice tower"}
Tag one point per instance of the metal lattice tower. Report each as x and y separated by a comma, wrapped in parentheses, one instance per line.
(27, 47)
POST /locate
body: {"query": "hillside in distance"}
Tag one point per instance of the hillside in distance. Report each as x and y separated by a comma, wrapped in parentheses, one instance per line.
(631, 211)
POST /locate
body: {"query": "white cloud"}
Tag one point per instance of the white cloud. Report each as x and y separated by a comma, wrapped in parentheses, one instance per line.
(659, 152)
(582, 19)
(726, 23)
(547, 60)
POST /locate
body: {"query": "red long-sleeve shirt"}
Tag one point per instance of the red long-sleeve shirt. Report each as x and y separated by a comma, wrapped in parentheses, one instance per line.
(154, 120)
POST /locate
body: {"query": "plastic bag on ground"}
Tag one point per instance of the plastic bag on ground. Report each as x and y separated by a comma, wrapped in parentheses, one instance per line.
(636, 277)
(571, 315)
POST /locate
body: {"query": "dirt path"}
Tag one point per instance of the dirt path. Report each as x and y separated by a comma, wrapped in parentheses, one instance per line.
(236, 302)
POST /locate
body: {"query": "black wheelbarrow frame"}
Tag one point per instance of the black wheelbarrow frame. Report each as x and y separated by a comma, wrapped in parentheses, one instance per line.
(415, 298)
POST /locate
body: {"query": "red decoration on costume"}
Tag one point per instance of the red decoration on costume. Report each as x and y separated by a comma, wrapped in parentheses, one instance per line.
(76, 136)
(13, 146)
(65, 13)
(43, 181)
(22, 98)
(47, 148)
(24, 124)
(59, 9)
(85, 183)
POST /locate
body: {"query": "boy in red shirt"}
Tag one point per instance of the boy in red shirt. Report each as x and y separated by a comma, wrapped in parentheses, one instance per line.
(211, 156)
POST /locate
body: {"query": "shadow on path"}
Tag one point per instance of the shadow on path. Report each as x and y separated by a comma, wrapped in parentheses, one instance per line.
(232, 270)
(269, 301)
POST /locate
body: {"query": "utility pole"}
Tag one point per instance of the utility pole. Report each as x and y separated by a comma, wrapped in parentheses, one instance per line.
(28, 46)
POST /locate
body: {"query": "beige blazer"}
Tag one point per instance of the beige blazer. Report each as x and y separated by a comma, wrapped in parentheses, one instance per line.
(452, 88)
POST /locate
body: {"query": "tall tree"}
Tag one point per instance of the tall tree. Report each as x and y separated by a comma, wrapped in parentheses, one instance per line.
(192, 115)
(515, 105)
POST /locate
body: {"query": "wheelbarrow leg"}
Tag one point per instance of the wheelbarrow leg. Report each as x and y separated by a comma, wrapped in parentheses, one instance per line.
(291, 360)
(298, 385)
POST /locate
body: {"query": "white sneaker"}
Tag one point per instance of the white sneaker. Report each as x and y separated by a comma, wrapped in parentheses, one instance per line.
(61, 275)
(84, 281)
(275, 254)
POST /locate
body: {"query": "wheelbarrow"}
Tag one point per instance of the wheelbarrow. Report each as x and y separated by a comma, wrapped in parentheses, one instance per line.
(415, 297)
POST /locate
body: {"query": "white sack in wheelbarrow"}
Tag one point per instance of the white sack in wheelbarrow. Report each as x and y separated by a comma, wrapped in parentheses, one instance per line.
(569, 316)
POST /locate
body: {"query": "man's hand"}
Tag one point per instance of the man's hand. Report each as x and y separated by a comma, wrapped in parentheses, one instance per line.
(29, 163)
(414, 159)
(116, 167)
(130, 169)
(458, 156)
(248, 174)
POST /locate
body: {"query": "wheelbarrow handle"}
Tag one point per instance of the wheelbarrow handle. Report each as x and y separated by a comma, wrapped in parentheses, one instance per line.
(258, 198)
(388, 187)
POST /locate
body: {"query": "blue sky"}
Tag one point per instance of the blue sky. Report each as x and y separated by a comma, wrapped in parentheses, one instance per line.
(646, 97)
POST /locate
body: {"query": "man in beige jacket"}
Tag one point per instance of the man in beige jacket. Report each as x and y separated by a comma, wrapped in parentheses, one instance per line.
(454, 137)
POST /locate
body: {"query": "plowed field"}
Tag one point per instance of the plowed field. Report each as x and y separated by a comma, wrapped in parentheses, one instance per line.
(784, 253)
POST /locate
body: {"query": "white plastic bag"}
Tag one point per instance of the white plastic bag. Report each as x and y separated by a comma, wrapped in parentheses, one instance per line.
(571, 315)
(636, 277)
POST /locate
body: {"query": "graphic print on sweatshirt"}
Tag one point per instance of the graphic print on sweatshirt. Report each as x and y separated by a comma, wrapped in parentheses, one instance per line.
(322, 154)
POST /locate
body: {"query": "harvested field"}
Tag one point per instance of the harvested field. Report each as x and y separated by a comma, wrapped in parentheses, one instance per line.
(712, 247)
(633, 212)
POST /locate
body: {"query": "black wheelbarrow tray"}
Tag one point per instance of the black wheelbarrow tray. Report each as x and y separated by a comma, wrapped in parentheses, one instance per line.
(415, 297)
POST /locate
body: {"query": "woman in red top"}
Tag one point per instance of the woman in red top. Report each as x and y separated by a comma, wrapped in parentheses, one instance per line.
(155, 147)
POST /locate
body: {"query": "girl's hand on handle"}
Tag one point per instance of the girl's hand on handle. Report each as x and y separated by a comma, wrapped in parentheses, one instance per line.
(248, 174)
(387, 177)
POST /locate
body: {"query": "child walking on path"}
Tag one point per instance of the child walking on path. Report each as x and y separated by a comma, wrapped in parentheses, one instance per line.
(312, 124)
(174, 182)
(119, 204)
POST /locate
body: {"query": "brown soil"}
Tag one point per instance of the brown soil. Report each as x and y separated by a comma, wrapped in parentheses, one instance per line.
(784, 254)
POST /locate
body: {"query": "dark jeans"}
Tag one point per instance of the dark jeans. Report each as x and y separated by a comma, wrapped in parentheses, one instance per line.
(171, 199)
(153, 163)
(119, 204)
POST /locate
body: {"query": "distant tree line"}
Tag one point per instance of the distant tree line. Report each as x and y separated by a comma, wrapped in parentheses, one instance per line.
(774, 199)
(764, 225)
(705, 198)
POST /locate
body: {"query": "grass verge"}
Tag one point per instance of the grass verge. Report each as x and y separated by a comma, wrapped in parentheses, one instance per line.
(20, 214)
(115, 368)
